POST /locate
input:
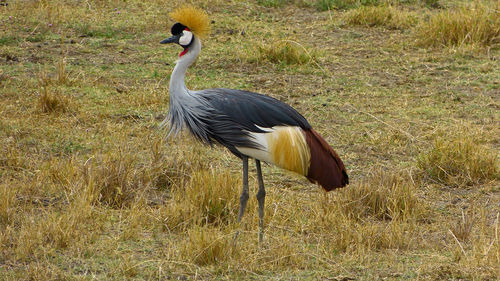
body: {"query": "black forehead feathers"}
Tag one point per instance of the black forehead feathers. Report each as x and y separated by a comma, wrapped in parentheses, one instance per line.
(177, 28)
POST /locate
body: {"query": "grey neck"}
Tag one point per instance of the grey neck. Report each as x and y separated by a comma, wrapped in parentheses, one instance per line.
(184, 105)
(177, 85)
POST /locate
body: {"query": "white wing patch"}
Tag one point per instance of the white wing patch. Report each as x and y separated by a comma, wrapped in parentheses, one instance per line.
(282, 146)
(259, 154)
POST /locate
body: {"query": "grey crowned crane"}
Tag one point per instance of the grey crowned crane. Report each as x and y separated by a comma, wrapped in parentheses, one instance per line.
(250, 125)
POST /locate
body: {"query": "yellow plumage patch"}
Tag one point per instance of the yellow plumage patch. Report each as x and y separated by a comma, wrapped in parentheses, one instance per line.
(289, 149)
(194, 18)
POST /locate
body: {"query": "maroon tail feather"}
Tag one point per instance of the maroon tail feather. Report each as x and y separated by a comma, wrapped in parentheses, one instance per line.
(326, 167)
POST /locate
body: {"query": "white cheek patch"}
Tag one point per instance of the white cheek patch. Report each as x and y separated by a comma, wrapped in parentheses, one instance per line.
(186, 38)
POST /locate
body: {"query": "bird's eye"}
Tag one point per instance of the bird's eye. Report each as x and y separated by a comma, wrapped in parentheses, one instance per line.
(186, 38)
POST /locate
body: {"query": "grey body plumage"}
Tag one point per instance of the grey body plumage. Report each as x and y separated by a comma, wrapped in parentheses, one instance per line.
(224, 116)
(227, 116)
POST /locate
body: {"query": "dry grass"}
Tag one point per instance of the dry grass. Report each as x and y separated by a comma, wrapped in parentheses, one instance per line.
(476, 242)
(206, 245)
(51, 100)
(475, 24)
(324, 5)
(113, 179)
(91, 189)
(383, 196)
(380, 212)
(385, 15)
(46, 229)
(7, 205)
(210, 198)
(50, 97)
(462, 229)
(459, 161)
(285, 52)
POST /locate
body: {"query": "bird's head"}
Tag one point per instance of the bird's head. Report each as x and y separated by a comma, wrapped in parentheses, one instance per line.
(191, 22)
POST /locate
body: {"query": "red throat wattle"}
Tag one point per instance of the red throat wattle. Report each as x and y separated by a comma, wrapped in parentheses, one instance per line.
(183, 52)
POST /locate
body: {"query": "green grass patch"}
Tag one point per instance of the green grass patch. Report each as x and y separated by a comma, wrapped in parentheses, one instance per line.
(68, 147)
(8, 40)
(324, 5)
(39, 37)
(88, 30)
(272, 3)
(426, 3)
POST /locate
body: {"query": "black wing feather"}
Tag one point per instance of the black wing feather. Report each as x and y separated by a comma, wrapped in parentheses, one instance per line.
(250, 109)
(234, 113)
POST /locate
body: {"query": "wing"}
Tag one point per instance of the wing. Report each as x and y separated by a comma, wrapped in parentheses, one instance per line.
(250, 110)
(234, 114)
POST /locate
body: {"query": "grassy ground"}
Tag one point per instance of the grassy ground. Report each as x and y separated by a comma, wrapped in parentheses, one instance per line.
(91, 189)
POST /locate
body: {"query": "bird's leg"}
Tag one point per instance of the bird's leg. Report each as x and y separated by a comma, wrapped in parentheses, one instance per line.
(261, 196)
(244, 193)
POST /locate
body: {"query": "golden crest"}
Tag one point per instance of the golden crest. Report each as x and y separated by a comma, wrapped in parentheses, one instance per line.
(194, 18)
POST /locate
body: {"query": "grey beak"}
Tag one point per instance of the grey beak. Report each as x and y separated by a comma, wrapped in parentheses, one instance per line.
(171, 39)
